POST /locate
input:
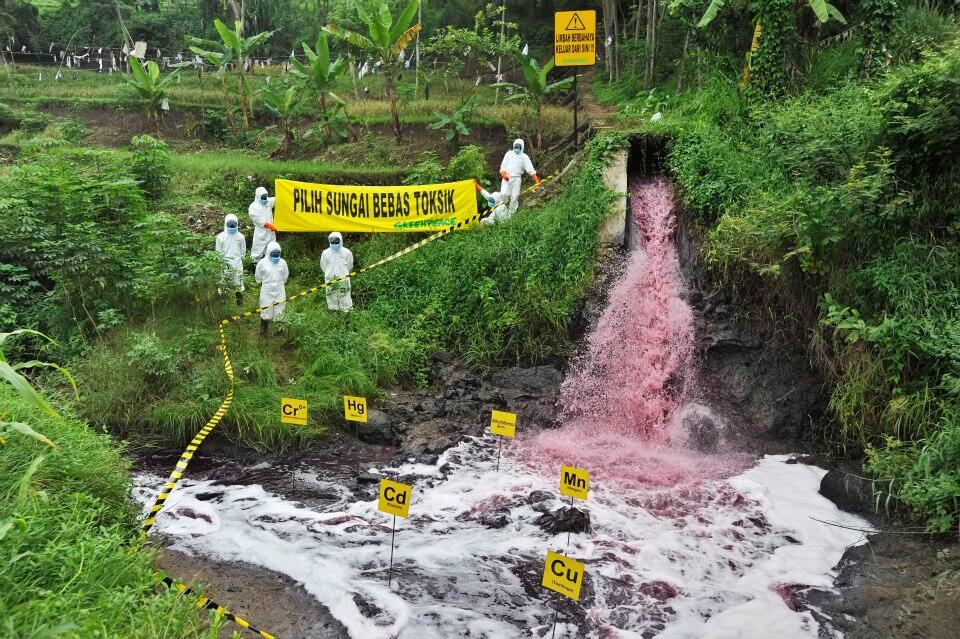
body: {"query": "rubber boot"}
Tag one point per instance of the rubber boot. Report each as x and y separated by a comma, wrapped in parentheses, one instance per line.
(239, 299)
(263, 327)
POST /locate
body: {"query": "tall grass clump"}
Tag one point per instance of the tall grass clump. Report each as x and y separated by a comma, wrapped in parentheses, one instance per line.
(66, 528)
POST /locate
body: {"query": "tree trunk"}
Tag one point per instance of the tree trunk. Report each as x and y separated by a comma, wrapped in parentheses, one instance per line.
(609, 10)
(326, 120)
(650, 63)
(353, 77)
(244, 100)
(392, 96)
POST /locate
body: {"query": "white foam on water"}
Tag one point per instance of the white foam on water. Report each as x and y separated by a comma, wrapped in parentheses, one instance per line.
(704, 560)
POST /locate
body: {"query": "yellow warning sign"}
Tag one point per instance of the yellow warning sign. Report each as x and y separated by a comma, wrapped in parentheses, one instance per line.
(574, 482)
(394, 498)
(575, 38)
(355, 408)
(293, 411)
(562, 574)
(503, 423)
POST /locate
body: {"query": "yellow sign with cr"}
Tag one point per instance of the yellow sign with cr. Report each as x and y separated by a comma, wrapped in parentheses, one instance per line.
(574, 482)
(305, 207)
(562, 574)
(394, 498)
(293, 411)
(355, 408)
(503, 423)
(575, 38)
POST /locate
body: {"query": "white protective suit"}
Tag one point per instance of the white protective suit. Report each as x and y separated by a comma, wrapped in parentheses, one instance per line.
(499, 210)
(337, 263)
(272, 279)
(259, 215)
(231, 246)
(515, 164)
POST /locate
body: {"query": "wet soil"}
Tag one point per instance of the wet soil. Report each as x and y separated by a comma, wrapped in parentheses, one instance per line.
(270, 601)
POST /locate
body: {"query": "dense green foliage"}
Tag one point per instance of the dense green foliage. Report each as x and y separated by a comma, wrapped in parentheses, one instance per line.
(66, 527)
(841, 204)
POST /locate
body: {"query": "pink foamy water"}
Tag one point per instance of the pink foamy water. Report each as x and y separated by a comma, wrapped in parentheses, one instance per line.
(621, 396)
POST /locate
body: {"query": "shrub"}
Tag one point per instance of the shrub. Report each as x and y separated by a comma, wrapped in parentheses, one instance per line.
(150, 163)
(468, 164)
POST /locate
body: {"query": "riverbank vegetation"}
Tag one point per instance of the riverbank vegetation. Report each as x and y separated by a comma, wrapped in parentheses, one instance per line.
(831, 190)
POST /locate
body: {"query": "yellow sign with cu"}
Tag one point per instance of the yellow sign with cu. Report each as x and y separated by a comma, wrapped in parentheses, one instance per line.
(293, 411)
(394, 498)
(355, 408)
(563, 574)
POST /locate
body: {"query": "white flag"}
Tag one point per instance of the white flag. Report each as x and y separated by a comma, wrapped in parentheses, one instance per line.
(526, 49)
(609, 40)
(165, 105)
(477, 83)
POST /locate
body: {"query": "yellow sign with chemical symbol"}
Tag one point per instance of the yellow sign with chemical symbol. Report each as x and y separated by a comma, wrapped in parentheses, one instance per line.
(355, 408)
(293, 411)
(563, 574)
(503, 423)
(394, 498)
(574, 482)
(575, 38)
(307, 207)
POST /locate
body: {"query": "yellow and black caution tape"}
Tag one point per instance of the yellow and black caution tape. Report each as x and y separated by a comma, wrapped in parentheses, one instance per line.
(197, 440)
(207, 604)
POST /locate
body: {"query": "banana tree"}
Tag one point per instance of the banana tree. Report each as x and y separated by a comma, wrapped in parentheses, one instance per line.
(386, 41)
(151, 88)
(536, 91)
(821, 8)
(288, 106)
(317, 75)
(231, 49)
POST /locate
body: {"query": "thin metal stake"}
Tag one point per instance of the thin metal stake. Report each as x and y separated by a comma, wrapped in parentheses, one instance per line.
(576, 126)
(554, 634)
(499, 446)
(393, 535)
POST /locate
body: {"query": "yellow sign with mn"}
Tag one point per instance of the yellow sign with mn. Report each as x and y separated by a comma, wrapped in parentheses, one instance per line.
(394, 498)
(503, 423)
(574, 482)
(575, 38)
(293, 411)
(562, 574)
(355, 408)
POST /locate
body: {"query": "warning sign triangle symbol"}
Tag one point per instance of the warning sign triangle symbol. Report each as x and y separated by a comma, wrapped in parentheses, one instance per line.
(575, 24)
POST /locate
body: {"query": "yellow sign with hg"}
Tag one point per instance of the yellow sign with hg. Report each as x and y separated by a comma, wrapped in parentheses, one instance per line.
(394, 498)
(574, 482)
(503, 423)
(355, 408)
(305, 207)
(293, 411)
(562, 574)
(575, 38)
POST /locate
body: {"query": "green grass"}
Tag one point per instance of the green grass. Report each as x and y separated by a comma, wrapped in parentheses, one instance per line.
(65, 540)
(500, 294)
(828, 206)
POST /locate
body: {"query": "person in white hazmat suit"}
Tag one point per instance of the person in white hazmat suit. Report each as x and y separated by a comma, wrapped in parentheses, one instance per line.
(337, 261)
(497, 201)
(272, 273)
(515, 164)
(231, 245)
(264, 232)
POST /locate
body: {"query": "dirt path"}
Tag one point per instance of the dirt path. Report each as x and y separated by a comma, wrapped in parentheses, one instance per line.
(270, 601)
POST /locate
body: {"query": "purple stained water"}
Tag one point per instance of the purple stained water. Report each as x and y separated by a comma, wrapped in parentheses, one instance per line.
(620, 401)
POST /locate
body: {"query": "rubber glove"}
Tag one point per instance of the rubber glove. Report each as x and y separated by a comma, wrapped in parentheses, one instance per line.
(268, 225)
(504, 174)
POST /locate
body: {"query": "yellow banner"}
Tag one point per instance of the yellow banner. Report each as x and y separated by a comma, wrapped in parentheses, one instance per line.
(306, 207)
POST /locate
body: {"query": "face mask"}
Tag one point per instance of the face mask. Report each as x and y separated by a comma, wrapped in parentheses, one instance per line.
(232, 230)
(263, 200)
(335, 246)
(275, 259)
(517, 150)
(491, 202)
